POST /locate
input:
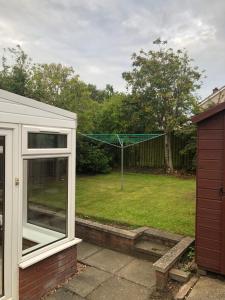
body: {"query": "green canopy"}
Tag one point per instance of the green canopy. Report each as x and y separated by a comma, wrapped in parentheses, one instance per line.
(122, 140)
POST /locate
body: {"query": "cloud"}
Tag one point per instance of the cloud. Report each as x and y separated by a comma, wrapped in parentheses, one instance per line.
(98, 37)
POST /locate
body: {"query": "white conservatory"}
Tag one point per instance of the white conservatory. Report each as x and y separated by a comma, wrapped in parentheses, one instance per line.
(37, 196)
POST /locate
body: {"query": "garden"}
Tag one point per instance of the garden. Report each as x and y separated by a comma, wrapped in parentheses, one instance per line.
(159, 184)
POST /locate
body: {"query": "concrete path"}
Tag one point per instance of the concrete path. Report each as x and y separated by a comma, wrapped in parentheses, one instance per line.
(109, 275)
(208, 288)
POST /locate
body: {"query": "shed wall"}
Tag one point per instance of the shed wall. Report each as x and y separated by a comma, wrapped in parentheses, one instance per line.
(209, 201)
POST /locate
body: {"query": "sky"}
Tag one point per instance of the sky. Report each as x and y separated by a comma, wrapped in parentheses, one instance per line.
(98, 37)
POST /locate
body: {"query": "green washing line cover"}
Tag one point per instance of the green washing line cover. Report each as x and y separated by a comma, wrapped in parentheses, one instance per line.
(122, 139)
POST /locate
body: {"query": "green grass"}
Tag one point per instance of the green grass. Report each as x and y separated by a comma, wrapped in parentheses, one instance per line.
(157, 201)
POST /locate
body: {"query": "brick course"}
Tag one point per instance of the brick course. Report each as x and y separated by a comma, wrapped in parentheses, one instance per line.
(40, 278)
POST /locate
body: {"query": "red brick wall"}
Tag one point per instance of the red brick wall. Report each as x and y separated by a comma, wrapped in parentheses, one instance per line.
(105, 239)
(38, 279)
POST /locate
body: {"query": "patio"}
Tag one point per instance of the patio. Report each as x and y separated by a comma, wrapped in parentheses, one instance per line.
(108, 275)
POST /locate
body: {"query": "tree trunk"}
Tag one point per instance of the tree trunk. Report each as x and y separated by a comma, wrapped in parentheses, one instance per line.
(168, 153)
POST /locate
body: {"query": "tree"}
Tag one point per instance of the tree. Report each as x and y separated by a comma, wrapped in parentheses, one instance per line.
(100, 95)
(15, 70)
(48, 82)
(162, 84)
(58, 85)
(110, 117)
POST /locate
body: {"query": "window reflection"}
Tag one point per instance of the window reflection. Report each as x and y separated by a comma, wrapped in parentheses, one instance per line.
(45, 201)
(46, 140)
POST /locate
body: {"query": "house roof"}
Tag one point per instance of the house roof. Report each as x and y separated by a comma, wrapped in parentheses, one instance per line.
(209, 113)
(212, 95)
(36, 104)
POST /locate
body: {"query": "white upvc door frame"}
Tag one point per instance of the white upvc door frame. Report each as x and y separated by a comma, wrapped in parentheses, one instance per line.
(11, 276)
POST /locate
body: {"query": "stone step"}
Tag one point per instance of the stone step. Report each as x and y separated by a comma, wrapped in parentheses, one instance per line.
(161, 237)
(150, 250)
(179, 275)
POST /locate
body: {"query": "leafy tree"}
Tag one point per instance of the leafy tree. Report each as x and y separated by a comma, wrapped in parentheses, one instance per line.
(100, 95)
(58, 85)
(189, 133)
(48, 82)
(110, 117)
(15, 70)
(162, 84)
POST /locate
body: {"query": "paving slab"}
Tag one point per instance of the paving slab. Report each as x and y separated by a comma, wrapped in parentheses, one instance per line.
(88, 280)
(139, 271)
(208, 289)
(85, 250)
(117, 288)
(108, 260)
(63, 294)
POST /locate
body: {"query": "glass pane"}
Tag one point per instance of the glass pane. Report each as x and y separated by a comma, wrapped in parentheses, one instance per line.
(45, 201)
(2, 203)
(46, 140)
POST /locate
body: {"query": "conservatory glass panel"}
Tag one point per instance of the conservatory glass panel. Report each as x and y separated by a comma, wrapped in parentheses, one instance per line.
(39, 140)
(45, 202)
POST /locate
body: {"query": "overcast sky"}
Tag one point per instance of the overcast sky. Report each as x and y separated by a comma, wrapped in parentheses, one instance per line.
(97, 37)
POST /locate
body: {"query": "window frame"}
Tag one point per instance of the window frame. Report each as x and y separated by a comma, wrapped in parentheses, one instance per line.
(37, 129)
(70, 153)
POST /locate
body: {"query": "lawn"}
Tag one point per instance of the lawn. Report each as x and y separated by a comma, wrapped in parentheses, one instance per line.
(158, 201)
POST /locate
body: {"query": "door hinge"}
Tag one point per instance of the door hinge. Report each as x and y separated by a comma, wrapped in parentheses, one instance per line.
(17, 181)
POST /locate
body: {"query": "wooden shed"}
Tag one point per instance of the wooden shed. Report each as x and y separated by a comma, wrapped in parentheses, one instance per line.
(210, 207)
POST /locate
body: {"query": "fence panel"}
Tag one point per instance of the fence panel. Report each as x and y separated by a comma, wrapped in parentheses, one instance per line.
(150, 154)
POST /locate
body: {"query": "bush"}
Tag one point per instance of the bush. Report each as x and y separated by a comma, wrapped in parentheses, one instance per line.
(91, 159)
(190, 135)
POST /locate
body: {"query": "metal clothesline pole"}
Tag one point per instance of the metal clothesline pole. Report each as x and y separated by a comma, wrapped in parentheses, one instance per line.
(122, 148)
(121, 158)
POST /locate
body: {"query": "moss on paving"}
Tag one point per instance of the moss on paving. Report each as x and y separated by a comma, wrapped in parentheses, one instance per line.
(159, 201)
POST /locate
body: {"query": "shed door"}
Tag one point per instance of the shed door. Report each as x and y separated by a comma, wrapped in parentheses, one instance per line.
(5, 214)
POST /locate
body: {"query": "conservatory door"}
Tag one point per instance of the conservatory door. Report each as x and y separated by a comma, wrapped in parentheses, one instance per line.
(5, 214)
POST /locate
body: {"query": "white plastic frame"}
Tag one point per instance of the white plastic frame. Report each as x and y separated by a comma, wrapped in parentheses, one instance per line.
(10, 131)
